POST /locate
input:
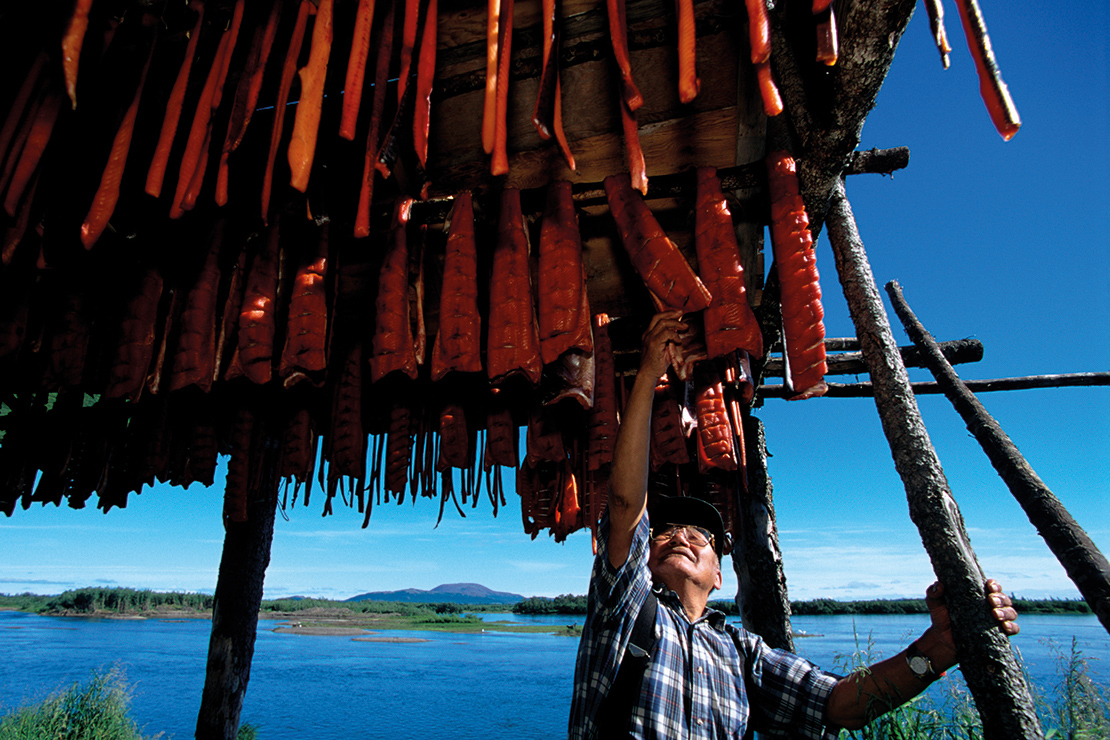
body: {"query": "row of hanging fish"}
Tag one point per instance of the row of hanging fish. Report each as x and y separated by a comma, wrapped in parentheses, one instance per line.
(270, 312)
(403, 34)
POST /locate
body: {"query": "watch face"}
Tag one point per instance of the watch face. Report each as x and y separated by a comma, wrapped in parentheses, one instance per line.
(919, 665)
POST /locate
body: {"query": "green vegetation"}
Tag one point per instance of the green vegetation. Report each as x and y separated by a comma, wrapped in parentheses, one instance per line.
(565, 604)
(404, 608)
(568, 604)
(308, 613)
(97, 709)
(818, 607)
(1077, 709)
(1080, 709)
(397, 615)
(117, 600)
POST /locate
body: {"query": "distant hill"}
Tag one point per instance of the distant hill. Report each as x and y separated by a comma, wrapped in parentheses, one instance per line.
(448, 593)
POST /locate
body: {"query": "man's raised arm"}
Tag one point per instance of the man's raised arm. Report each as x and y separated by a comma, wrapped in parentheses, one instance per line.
(628, 480)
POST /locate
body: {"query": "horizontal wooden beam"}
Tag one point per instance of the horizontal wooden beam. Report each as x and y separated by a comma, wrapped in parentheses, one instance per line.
(679, 184)
(865, 390)
(956, 352)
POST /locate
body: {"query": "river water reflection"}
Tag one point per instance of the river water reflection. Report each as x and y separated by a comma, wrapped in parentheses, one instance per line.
(484, 686)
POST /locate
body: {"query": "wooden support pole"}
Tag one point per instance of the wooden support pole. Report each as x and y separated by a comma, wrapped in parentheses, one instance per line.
(827, 106)
(925, 388)
(993, 675)
(761, 596)
(238, 595)
(1085, 564)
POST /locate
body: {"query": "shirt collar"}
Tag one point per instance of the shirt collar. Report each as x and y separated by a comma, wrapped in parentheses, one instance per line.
(715, 618)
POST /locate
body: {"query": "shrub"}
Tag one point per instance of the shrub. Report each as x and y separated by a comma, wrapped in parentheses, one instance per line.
(97, 709)
(247, 731)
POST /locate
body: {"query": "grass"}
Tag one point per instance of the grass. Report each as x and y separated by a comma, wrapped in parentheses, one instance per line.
(95, 710)
(1077, 709)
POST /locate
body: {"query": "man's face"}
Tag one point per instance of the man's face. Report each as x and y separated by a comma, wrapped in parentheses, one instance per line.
(675, 560)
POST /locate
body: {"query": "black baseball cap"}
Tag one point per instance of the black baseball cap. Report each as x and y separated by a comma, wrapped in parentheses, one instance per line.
(668, 510)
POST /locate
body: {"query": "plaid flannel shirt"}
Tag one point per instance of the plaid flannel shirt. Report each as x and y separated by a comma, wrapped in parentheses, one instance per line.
(707, 679)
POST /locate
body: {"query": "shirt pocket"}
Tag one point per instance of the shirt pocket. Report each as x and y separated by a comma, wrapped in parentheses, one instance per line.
(730, 703)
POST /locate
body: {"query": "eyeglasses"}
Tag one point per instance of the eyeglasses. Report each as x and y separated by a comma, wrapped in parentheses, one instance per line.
(696, 536)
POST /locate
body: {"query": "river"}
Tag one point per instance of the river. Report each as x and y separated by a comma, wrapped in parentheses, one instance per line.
(483, 686)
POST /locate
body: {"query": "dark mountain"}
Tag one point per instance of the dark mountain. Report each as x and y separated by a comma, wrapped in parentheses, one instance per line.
(453, 593)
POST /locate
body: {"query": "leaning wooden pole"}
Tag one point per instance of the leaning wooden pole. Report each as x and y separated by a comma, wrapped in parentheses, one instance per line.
(1085, 564)
(993, 675)
(238, 595)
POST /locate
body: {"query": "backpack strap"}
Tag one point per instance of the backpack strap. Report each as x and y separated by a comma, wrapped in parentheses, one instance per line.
(612, 716)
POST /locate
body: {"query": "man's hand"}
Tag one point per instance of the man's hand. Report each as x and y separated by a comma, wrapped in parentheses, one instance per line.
(661, 341)
(852, 701)
(944, 652)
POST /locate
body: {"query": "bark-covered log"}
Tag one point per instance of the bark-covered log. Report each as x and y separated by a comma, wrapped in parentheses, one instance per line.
(761, 596)
(867, 390)
(827, 106)
(246, 555)
(878, 161)
(1085, 564)
(993, 675)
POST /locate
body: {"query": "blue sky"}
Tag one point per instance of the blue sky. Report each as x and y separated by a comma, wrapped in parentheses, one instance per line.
(1001, 241)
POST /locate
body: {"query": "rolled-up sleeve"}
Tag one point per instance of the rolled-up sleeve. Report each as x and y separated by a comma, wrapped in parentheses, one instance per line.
(616, 588)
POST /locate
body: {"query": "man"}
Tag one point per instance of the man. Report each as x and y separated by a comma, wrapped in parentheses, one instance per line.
(703, 678)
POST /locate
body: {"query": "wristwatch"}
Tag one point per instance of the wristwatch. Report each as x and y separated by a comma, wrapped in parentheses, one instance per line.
(920, 664)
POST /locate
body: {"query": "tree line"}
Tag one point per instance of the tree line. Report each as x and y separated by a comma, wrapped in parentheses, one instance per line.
(127, 600)
(119, 600)
(568, 604)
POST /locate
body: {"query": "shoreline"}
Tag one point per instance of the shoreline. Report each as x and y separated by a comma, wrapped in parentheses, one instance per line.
(324, 622)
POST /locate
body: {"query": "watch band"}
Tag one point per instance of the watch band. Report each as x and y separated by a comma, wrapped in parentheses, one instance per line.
(920, 664)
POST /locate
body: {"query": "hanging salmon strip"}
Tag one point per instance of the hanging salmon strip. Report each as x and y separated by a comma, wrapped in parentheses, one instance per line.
(194, 161)
(513, 344)
(796, 264)
(246, 96)
(289, 68)
(194, 359)
(254, 355)
(394, 347)
(373, 134)
(157, 172)
(356, 69)
(306, 124)
(304, 351)
(660, 265)
(564, 311)
(730, 323)
(107, 195)
(458, 344)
